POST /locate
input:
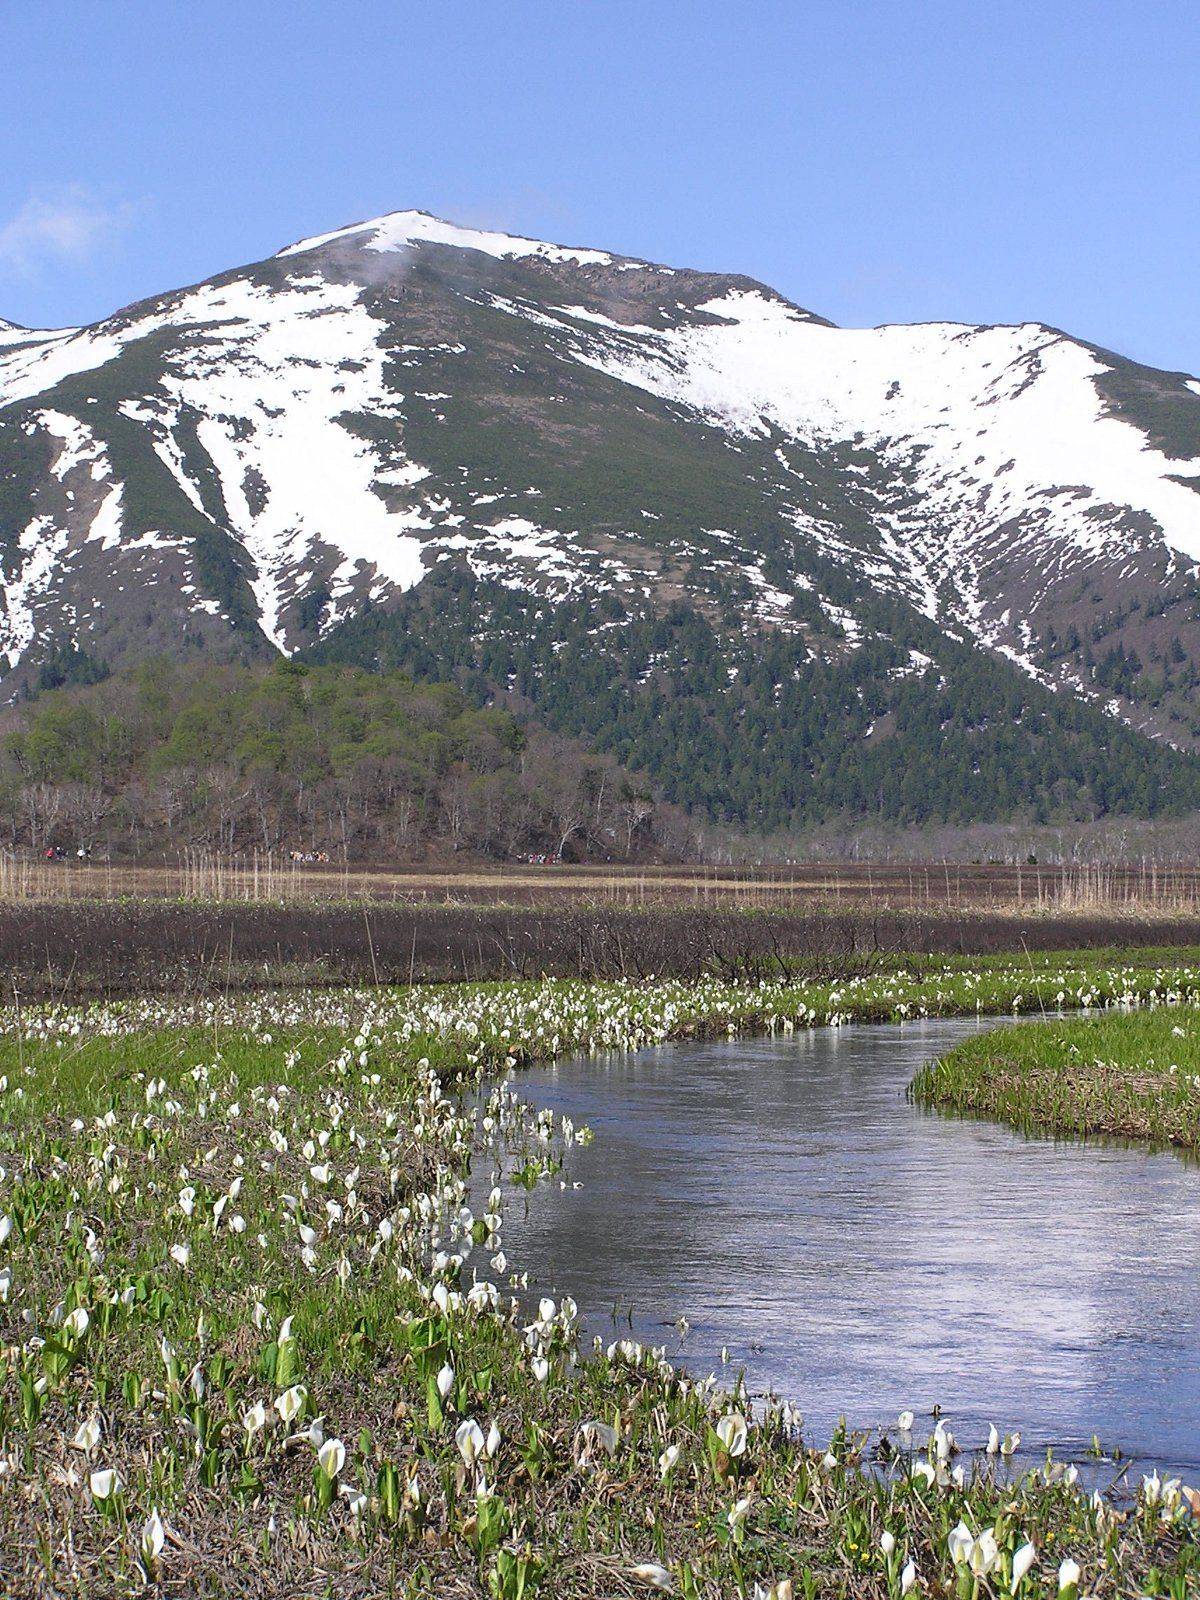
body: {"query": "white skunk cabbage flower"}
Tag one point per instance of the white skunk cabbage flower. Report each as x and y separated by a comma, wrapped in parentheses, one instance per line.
(731, 1431)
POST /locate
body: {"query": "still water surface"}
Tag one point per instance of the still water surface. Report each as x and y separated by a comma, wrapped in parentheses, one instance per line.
(862, 1256)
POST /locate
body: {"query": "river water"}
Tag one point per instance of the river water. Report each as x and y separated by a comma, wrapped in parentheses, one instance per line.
(861, 1256)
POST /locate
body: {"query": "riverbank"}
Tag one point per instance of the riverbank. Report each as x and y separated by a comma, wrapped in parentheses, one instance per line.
(1132, 1077)
(250, 1325)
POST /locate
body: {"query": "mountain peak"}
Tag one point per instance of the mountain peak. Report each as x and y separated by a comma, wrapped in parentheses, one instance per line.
(400, 230)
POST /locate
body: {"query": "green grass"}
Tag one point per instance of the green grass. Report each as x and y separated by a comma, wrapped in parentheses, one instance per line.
(180, 1178)
(1131, 1076)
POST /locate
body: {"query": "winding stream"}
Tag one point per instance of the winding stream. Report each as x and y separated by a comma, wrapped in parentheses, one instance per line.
(861, 1256)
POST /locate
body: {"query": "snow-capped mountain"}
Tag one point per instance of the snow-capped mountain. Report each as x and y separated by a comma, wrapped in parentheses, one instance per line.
(251, 462)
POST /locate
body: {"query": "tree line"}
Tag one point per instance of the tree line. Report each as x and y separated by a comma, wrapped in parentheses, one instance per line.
(312, 759)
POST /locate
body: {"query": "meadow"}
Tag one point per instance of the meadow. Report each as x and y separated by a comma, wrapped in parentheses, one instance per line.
(272, 877)
(261, 1334)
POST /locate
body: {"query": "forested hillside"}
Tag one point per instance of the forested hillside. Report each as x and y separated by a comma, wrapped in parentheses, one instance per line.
(474, 718)
(291, 757)
(751, 727)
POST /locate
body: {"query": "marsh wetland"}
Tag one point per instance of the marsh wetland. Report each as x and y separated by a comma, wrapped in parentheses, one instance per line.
(271, 1304)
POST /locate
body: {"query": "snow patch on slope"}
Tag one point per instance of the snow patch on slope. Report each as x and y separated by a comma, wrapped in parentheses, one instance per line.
(45, 544)
(277, 395)
(985, 424)
(40, 546)
(32, 366)
(276, 378)
(78, 445)
(81, 448)
(506, 551)
(12, 335)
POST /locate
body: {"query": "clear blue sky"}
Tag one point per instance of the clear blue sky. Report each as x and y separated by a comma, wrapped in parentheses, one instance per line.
(876, 160)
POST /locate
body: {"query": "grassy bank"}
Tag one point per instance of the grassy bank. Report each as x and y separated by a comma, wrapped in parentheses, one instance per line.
(1135, 1077)
(259, 1328)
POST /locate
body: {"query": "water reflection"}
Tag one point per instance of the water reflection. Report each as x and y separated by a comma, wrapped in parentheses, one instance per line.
(862, 1256)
